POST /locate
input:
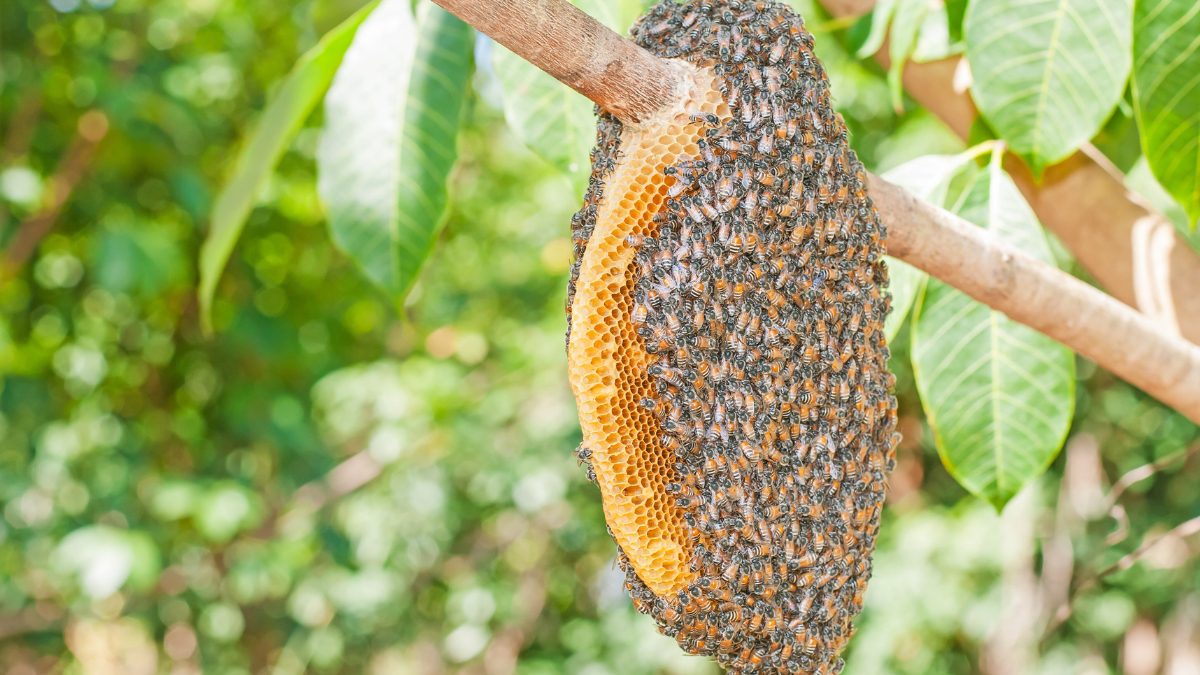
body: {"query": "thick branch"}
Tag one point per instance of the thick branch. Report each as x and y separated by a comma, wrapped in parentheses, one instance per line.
(578, 51)
(966, 257)
(1132, 251)
(1041, 296)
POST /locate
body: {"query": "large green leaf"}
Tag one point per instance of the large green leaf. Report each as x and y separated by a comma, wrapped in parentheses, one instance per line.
(283, 117)
(553, 121)
(999, 395)
(391, 128)
(928, 178)
(1166, 95)
(1048, 73)
(914, 29)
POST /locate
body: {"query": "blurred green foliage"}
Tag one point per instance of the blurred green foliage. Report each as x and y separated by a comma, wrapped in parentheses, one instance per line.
(333, 485)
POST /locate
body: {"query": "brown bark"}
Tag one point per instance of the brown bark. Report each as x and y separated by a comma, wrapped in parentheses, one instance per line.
(578, 51)
(1029, 291)
(1134, 252)
(1041, 296)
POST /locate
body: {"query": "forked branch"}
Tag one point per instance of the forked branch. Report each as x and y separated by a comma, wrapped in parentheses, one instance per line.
(633, 84)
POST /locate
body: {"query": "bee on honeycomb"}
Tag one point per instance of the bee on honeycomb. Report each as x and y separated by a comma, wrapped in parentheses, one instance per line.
(726, 347)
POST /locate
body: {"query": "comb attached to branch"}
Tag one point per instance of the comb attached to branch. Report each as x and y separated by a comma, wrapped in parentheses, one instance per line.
(726, 347)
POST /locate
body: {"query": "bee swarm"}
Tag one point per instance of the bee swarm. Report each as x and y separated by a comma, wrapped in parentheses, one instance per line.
(726, 348)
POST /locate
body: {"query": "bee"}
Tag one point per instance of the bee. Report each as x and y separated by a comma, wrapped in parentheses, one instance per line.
(741, 50)
(766, 144)
(776, 53)
(730, 573)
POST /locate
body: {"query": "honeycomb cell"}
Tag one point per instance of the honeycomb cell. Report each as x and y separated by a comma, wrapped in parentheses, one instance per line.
(607, 360)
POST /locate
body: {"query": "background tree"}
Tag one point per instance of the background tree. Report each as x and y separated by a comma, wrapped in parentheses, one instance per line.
(365, 469)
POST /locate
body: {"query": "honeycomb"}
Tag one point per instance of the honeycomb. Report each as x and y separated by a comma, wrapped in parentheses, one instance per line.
(726, 348)
(607, 363)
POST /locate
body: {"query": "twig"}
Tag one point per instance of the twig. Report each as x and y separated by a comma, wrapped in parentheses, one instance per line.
(1121, 517)
(1061, 607)
(1116, 511)
(91, 130)
(1185, 529)
(19, 133)
(1141, 473)
(1130, 249)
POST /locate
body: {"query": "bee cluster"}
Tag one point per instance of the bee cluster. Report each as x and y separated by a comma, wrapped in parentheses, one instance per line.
(759, 297)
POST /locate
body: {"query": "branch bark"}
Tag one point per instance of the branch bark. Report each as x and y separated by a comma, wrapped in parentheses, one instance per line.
(1041, 296)
(1036, 294)
(1134, 252)
(578, 51)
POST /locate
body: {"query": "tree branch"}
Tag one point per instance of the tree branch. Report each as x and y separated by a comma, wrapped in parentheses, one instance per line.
(1040, 296)
(944, 245)
(578, 51)
(1131, 250)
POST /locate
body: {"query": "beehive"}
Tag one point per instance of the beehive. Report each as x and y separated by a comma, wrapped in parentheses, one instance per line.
(726, 348)
(607, 361)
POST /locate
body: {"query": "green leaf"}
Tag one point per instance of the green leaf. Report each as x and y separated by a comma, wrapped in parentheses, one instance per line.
(548, 117)
(390, 139)
(905, 283)
(955, 11)
(928, 178)
(1048, 73)
(910, 15)
(1166, 95)
(999, 395)
(880, 18)
(274, 131)
(915, 29)
(934, 40)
